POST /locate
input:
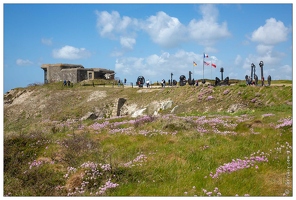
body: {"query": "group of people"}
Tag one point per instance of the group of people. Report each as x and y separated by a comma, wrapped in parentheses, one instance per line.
(163, 83)
(67, 83)
(249, 80)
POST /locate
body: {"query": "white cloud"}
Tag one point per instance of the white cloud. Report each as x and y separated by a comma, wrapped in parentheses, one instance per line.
(272, 66)
(270, 59)
(22, 62)
(127, 42)
(158, 66)
(69, 52)
(46, 41)
(248, 61)
(273, 32)
(207, 31)
(264, 49)
(209, 12)
(113, 26)
(107, 22)
(164, 30)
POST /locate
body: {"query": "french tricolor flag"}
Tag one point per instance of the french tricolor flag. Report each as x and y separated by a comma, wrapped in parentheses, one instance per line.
(206, 55)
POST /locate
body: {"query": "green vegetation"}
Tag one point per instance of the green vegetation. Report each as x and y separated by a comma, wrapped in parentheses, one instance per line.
(203, 148)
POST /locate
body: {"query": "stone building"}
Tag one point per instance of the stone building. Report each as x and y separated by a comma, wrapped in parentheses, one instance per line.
(74, 73)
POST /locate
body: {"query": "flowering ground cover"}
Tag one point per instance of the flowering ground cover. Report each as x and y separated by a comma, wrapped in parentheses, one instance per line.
(192, 154)
(167, 155)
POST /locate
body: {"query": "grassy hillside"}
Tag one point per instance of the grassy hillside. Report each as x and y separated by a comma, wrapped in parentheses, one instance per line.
(214, 141)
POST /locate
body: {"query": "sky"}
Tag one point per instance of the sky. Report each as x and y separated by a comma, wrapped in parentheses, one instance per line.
(147, 39)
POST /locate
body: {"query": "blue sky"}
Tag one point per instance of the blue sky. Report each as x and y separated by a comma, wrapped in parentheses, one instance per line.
(151, 40)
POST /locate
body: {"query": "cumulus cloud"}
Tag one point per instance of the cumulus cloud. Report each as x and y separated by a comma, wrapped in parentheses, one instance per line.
(164, 30)
(71, 53)
(46, 41)
(22, 62)
(160, 65)
(113, 26)
(273, 32)
(268, 36)
(264, 49)
(107, 23)
(249, 60)
(207, 31)
(272, 66)
(127, 42)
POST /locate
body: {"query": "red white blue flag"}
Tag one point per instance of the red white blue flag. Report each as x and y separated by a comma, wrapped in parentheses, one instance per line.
(206, 55)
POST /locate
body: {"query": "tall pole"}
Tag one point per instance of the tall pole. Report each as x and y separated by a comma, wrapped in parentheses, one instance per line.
(203, 66)
(193, 70)
(261, 66)
(211, 69)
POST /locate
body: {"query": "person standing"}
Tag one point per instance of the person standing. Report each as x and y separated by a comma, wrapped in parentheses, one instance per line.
(148, 83)
(269, 80)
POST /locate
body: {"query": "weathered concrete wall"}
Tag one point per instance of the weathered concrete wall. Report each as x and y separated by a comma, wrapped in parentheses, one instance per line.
(82, 75)
(54, 74)
(69, 74)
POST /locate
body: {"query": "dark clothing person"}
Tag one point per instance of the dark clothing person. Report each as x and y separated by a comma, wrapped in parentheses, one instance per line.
(269, 80)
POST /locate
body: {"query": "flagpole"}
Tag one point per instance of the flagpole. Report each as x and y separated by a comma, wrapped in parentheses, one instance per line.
(203, 63)
(193, 69)
(211, 69)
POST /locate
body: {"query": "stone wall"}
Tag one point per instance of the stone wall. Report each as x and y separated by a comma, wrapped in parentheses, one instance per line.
(54, 74)
(69, 74)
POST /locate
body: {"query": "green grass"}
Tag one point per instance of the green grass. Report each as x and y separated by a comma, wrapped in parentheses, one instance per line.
(178, 151)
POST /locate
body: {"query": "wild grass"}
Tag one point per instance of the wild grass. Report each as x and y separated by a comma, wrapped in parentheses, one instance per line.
(195, 153)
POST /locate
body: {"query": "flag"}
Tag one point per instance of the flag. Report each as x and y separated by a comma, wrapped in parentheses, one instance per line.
(214, 65)
(206, 55)
(194, 63)
(206, 63)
